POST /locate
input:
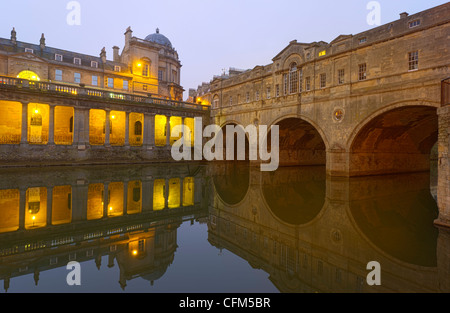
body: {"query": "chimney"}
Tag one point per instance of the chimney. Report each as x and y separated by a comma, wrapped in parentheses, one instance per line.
(128, 34)
(103, 55)
(116, 56)
(403, 15)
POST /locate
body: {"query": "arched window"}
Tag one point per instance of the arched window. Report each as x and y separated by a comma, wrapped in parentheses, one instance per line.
(28, 75)
(138, 128)
(216, 101)
(293, 78)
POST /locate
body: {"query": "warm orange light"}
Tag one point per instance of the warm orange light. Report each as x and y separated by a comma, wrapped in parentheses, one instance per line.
(135, 252)
(36, 111)
(110, 208)
(139, 65)
(113, 117)
(33, 217)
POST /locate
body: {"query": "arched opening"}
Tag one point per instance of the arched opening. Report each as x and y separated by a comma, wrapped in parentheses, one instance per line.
(295, 195)
(231, 181)
(30, 75)
(396, 213)
(397, 141)
(300, 143)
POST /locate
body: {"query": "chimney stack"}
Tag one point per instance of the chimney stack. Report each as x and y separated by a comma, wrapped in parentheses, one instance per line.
(403, 15)
(116, 56)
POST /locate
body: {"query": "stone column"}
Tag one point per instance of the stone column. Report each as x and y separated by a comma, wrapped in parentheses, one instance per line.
(127, 129)
(149, 130)
(168, 131)
(24, 128)
(107, 127)
(51, 125)
(443, 188)
(79, 200)
(125, 197)
(22, 208)
(49, 205)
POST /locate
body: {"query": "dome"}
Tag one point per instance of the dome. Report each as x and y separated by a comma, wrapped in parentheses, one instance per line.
(159, 39)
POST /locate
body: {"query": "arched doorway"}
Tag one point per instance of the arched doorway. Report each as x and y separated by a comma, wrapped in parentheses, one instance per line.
(30, 75)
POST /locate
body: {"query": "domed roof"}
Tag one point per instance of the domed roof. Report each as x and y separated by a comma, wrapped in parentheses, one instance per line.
(159, 39)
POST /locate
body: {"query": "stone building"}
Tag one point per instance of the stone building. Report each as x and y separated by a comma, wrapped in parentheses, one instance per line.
(58, 106)
(149, 66)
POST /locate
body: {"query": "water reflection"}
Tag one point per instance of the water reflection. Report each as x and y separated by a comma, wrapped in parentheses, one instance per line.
(308, 232)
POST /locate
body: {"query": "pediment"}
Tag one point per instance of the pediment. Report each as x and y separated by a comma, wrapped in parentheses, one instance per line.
(28, 57)
(341, 38)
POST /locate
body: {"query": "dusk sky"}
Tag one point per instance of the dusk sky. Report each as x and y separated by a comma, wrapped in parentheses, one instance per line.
(209, 35)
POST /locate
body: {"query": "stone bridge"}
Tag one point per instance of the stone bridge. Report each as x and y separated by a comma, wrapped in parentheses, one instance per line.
(366, 104)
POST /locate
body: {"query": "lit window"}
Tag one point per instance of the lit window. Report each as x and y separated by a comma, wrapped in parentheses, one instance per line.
(77, 78)
(413, 60)
(414, 23)
(58, 75)
(110, 82)
(77, 61)
(94, 80)
(28, 75)
(322, 53)
(29, 50)
(58, 57)
(94, 64)
(125, 84)
(362, 74)
(117, 68)
(323, 80)
(341, 76)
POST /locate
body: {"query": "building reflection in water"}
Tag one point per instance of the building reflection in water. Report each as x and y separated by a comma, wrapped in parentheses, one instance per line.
(123, 213)
(309, 232)
(313, 233)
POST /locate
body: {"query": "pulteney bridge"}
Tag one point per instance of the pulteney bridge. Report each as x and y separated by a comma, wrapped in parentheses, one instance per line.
(367, 104)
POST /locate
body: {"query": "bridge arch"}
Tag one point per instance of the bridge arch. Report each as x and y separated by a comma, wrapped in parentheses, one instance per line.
(395, 139)
(301, 141)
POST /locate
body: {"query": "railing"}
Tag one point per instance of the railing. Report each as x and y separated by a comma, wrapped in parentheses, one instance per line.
(445, 92)
(11, 82)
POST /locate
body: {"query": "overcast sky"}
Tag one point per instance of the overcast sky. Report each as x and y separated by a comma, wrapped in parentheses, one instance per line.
(209, 35)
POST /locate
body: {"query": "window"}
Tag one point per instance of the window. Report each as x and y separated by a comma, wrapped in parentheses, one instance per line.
(247, 97)
(29, 50)
(125, 84)
(58, 75)
(293, 79)
(323, 80)
(160, 75)
(268, 93)
(145, 70)
(94, 80)
(285, 84)
(77, 78)
(174, 76)
(58, 57)
(94, 64)
(138, 128)
(110, 82)
(341, 73)
(414, 23)
(308, 83)
(277, 90)
(231, 100)
(362, 40)
(300, 80)
(216, 102)
(322, 53)
(77, 61)
(144, 87)
(257, 96)
(362, 75)
(117, 68)
(413, 60)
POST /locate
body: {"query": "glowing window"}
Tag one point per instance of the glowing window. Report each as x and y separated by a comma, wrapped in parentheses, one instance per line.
(322, 53)
(28, 75)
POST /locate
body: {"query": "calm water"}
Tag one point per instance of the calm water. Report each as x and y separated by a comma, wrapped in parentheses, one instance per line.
(218, 228)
